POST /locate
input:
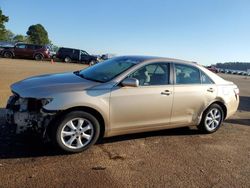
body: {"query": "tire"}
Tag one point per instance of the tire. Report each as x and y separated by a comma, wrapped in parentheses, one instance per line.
(38, 57)
(53, 57)
(67, 59)
(76, 131)
(7, 55)
(211, 119)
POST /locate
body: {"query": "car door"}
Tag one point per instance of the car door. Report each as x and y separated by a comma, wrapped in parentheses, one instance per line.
(20, 50)
(146, 107)
(30, 49)
(84, 56)
(75, 55)
(193, 91)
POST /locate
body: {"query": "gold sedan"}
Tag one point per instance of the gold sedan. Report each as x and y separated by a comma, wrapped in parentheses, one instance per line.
(122, 95)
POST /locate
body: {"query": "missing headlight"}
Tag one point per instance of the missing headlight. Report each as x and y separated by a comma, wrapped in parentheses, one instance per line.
(45, 101)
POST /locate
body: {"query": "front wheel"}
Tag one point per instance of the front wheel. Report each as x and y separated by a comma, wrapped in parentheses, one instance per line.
(67, 60)
(76, 131)
(212, 119)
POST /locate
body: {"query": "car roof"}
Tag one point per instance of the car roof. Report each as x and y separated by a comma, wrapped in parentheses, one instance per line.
(65, 48)
(140, 59)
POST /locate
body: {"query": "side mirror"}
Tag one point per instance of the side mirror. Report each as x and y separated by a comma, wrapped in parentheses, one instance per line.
(131, 82)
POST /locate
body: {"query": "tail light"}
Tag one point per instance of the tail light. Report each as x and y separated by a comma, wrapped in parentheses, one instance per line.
(236, 91)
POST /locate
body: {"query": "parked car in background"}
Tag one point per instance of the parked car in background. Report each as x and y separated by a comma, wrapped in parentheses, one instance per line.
(239, 72)
(69, 55)
(121, 95)
(243, 73)
(213, 69)
(222, 70)
(23, 50)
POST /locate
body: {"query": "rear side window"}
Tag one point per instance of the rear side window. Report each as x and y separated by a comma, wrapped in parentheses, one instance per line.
(37, 47)
(75, 52)
(185, 74)
(33, 47)
(30, 46)
(65, 50)
(205, 79)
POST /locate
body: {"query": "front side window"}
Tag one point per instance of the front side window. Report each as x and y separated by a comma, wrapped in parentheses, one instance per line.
(83, 53)
(152, 74)
(21, 46)
(185, 74)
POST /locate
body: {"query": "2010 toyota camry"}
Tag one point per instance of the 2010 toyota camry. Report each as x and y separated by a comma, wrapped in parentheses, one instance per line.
(122, 95)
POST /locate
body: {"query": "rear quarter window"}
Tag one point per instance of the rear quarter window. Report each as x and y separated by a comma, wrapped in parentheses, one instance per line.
(205, 79)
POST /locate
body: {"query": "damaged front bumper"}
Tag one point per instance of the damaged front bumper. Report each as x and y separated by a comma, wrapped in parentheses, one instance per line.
(28, 114)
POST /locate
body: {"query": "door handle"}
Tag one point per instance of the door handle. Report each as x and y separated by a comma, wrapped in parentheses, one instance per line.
(210, 90)
(166, 92)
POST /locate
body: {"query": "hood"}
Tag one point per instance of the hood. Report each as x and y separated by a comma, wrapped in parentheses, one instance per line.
(46, 85)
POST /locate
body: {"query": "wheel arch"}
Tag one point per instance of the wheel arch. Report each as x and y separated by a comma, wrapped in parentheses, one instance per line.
(223, 106)
(90, 110)
(38, 53)
(220, 103)
(9, 51)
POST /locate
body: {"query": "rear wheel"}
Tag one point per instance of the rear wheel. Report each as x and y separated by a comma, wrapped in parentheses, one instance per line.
(7, 55)
(67, 60)
(212, 119)
(76, 131)
(38, 57)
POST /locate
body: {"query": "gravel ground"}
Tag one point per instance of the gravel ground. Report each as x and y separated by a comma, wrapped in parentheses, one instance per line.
(171, 158)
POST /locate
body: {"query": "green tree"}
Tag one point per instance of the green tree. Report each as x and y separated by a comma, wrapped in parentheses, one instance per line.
(3, 31)
(38, 35)
(20, 38)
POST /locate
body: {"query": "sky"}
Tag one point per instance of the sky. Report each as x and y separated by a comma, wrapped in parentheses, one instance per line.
(205, 31)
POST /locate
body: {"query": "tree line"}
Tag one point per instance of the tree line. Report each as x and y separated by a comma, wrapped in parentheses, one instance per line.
(36, 34)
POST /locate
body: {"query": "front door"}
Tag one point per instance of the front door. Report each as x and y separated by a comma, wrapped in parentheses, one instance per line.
(145, 107)
(20, 50)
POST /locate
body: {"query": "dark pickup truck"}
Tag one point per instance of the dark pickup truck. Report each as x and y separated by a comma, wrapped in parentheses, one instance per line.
(22, 50)
(69, 55)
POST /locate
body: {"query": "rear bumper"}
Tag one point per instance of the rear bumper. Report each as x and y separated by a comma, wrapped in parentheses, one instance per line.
(232, 106)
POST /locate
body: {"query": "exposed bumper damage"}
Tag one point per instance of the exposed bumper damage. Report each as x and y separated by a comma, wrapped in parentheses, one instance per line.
(28, 114)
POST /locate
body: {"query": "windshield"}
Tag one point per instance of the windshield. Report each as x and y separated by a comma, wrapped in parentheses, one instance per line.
(107, 70)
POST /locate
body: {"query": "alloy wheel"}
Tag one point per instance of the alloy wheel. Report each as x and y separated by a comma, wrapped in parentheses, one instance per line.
(77, 133)
(213, 119)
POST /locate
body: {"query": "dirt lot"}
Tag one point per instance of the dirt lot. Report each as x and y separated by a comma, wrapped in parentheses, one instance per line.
(171, 158)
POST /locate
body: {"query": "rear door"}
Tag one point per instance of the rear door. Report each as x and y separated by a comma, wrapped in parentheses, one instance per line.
(193, 91)
(30, 49)
(75, 54)
(84, 56)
